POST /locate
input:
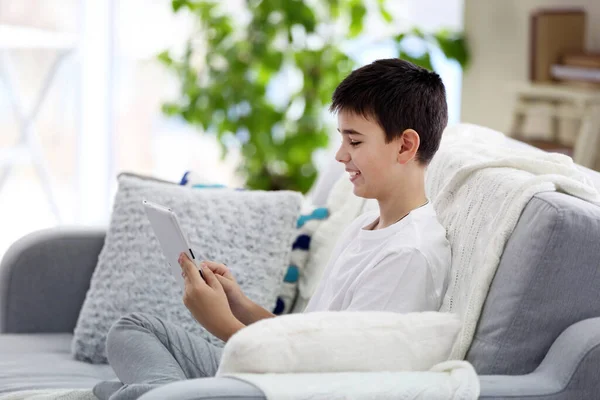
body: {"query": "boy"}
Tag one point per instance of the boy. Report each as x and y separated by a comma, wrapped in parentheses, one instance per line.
(391, 115)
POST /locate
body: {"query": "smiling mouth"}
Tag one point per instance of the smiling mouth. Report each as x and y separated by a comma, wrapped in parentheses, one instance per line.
(354, 175)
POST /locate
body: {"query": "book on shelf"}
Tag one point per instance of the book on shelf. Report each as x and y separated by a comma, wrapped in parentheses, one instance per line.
(580, 74)
(585, 60)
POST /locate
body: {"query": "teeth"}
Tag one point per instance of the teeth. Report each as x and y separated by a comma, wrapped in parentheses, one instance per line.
(353, 174)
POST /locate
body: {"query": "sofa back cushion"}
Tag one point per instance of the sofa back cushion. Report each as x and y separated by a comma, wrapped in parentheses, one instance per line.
(548, 279)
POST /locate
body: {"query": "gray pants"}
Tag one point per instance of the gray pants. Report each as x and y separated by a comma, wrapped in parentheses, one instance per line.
(146, 352)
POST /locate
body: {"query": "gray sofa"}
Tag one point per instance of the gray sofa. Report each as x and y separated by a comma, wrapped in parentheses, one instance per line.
(538, 336)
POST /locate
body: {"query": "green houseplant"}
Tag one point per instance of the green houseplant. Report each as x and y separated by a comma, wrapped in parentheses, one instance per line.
(230, 66)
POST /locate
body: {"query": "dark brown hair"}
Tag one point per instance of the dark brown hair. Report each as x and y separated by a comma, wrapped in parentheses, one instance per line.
(398, 95)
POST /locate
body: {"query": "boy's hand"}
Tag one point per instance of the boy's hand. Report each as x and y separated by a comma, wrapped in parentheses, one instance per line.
(207, 300)
(238, 302)
(244, 309)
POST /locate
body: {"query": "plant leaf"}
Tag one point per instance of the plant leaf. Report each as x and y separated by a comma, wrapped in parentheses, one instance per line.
(357, 15)
(177, 4)
(424, 60)
(416, 31)
(453, 45)
(165, 58)
(383, 11)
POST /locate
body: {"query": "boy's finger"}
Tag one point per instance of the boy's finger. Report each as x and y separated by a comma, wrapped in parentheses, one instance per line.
(190, 269)
(210, 277)
(222, 280)
(218, 269)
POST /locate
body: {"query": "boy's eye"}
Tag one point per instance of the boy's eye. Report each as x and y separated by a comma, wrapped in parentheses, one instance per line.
(354, 143)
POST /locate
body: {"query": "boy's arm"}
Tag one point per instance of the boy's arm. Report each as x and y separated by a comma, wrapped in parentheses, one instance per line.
(207, 301)
(248, 312)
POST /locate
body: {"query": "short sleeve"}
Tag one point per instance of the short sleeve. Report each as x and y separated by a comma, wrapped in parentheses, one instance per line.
(400, 282)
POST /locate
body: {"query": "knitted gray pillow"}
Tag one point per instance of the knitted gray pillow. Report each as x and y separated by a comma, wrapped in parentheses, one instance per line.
(250, 231)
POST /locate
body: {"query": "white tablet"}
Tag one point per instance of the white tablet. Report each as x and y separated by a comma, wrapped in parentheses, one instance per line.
(171, 237)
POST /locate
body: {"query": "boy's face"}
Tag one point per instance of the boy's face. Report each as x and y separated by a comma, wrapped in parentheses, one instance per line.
(371, 162)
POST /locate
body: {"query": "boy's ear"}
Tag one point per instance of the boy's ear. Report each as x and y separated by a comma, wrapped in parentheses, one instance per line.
(409, 145)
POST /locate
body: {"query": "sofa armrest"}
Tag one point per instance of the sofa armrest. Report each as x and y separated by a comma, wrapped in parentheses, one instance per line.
(570, 370)
(44, 278)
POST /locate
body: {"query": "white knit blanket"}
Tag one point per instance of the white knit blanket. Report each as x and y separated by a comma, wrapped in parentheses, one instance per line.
(480, 185)
(450, 380)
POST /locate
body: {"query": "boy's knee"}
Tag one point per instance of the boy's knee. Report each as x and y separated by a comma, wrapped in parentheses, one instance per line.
(120, 331)
(135, 319)
(120, 340)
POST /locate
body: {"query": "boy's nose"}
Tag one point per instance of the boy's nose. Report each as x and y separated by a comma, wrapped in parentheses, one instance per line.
(342, 155)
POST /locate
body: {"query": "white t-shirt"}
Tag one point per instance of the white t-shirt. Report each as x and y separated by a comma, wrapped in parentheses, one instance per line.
(401, 268)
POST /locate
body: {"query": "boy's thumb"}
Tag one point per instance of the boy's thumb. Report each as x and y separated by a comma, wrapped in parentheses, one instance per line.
(224, 281)
(210, 277)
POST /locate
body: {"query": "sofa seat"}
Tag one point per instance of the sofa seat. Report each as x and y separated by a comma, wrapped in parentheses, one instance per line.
(44, 361)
